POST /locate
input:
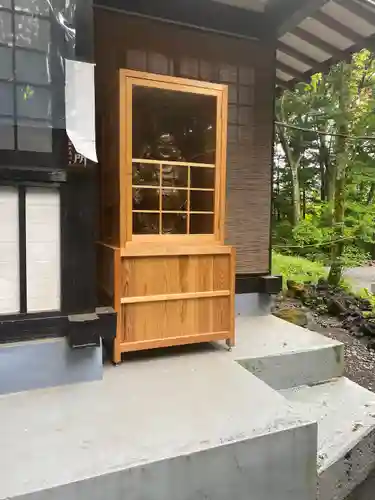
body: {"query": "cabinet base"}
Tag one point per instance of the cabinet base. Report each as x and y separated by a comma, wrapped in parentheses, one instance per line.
(120, 348)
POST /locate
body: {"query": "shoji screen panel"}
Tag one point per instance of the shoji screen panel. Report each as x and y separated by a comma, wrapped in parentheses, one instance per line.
(9, 251)
(42, 209)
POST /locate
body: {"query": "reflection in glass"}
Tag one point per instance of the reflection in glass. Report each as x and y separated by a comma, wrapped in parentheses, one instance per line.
(6, 31)
(173, 125)
(32, 6)
(6, 133)
(34, 136)
(33, 102)
(201, 177)
(146, 174)
(6, 63)
(32, 67)
(32, 32)
(172, 130)
(145, 199)
(174, 199)
(201, 224)
(145, 223)
(202, 201)
(174, 175)
(174, 223)
(6, 99)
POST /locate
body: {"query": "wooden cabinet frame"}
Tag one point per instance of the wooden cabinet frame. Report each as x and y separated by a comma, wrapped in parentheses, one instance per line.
(167, 289)
(129, 79)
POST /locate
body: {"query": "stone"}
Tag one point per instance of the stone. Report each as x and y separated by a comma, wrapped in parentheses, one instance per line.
(336, 307)
(297, 290)
(293, 315)
(368, 328)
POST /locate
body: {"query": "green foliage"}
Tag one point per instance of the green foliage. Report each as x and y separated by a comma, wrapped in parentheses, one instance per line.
(343, 99)
(354, 256)
(297, 269)
(365, 294)
(308, 233)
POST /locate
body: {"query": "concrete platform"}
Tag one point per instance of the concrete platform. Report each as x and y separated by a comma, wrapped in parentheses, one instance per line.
(285, 355)
(187, 426)
(345, 413)
(46, 363)
(193, 423)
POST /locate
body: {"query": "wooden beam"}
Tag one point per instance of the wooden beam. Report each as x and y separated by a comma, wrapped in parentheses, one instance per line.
(359, 10)
(324, 67)
(296, 54)
(345, 55)
(334, 25)
(207, 15)
(285, 15)
(316, 66)
(283, 84)
(317, 42)
(290, 71)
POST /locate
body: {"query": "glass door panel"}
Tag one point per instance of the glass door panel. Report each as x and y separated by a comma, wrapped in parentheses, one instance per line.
(173, 161)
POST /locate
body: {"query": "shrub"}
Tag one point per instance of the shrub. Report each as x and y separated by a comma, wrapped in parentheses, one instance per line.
(354, 256)
(365, 294)
(297, 269)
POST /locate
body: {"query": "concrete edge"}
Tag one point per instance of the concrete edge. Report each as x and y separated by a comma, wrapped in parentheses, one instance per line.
(337, 478)
(298, 368)
(302, 450)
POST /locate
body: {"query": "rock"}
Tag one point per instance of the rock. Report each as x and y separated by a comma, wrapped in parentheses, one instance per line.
(353, 320)
(295, 316)
(296, 290)
(336, 307)
(357, 333)
(364, 305)
(368, 328)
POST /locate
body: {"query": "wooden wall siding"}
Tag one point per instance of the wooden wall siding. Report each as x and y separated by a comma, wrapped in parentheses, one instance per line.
(109, 176)
(9, 251)
(105, 275)
(248, 69)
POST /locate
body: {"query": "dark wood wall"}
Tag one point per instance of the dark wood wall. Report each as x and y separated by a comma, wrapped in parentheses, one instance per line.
(247, 67)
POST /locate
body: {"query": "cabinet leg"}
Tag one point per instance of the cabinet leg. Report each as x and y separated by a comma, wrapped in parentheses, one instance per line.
(116, 355)
(230, 344)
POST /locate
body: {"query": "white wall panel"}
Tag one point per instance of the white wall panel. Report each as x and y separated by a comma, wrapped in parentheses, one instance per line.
(9, 251)
(43, 249)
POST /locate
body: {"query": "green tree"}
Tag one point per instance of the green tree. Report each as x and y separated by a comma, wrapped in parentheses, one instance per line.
(325, 177)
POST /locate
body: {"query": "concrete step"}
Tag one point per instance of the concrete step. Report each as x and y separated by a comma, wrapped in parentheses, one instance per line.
(46, 363)
(285, 355)
(169, 427)
(345, 413)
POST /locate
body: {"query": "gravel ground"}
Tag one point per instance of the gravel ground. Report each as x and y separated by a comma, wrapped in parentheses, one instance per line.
(359, 361)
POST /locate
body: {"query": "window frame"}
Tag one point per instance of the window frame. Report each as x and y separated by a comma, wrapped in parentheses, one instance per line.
(54, 52)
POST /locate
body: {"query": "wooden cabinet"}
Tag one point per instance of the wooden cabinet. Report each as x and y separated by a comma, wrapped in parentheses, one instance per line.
(163, 264)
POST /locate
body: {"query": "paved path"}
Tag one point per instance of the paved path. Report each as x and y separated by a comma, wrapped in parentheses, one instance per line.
(361, 277)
